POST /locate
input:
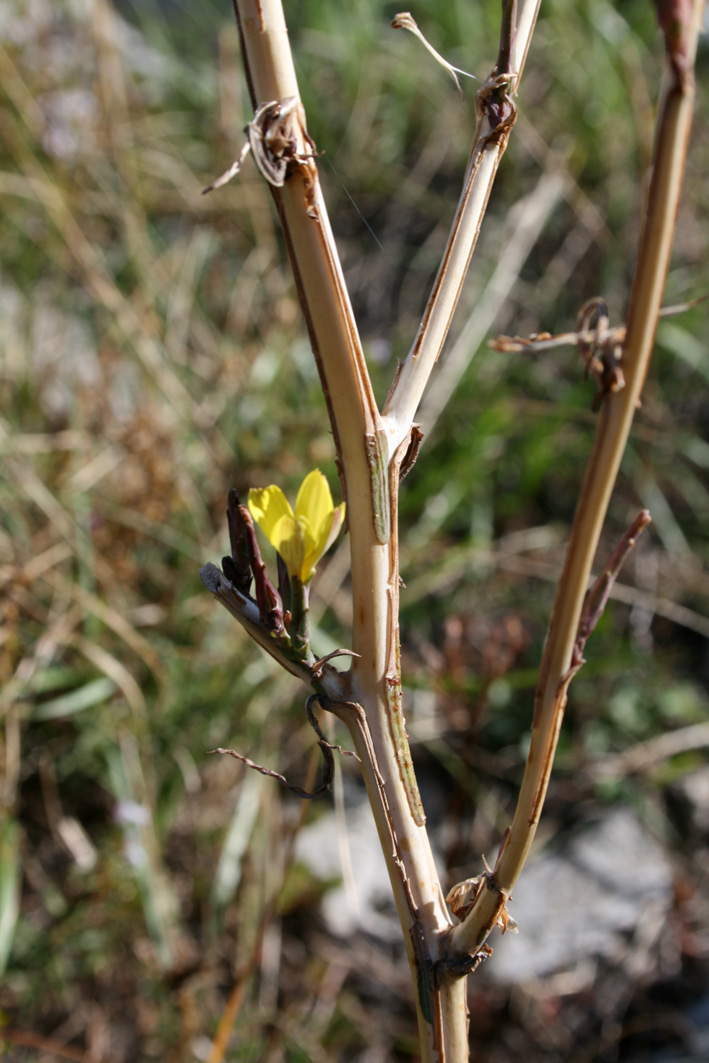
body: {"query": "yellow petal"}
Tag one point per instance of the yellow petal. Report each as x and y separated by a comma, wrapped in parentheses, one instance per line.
(268, 505)
(313, 548)
(307, 534)
(314, 501)
(288, 540)
(314, 511)
(338, 518)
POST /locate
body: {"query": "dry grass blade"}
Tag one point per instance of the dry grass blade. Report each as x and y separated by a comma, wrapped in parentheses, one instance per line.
(526, 224)
(248, 966)
(644, 756)
(93, 605)
(29, 1039)
(10, 874)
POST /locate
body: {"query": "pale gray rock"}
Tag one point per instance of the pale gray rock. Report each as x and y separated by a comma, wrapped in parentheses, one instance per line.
(582, 902)
(362, 901)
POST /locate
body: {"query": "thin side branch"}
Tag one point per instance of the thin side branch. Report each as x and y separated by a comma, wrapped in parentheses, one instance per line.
(544, 341)
(496, 114)
(328, 760)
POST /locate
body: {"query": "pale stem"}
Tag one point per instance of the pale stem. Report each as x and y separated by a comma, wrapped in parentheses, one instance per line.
(618, 409)
(529, 217)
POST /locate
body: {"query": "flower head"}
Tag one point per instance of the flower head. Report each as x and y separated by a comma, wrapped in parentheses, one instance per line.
(301, 538)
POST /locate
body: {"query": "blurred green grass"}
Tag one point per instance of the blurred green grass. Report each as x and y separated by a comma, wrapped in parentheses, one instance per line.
(152, 356)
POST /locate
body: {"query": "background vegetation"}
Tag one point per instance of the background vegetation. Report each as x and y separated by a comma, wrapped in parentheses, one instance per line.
(152, 355)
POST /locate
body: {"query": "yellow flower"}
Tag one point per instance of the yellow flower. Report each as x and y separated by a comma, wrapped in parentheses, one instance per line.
(301, 538)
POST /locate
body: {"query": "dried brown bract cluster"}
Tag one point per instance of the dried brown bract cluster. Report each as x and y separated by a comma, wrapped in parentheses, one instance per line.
(462, 897)
(603, 352)
(275, 137)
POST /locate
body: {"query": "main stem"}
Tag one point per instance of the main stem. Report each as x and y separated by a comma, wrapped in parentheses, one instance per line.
(369, 473)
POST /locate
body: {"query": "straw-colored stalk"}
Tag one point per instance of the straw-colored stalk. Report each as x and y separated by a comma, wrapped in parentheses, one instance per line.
(616, 417)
